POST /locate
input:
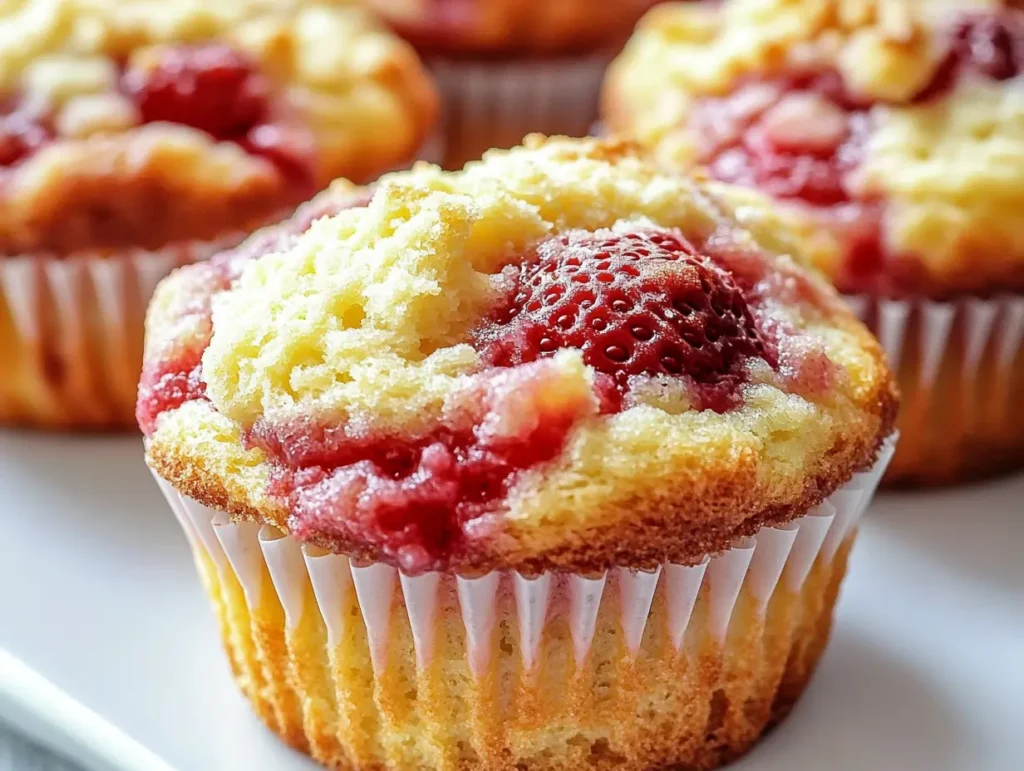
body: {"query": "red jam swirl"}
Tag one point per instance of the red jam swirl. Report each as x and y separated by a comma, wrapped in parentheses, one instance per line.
(216, 89)
(801, 137)
(209, 86)
(794, 138)
(418, 501)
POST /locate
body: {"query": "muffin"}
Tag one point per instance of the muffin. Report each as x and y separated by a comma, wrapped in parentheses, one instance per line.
(892, 135)
(509, 67)
(136, 137)
(543, 464)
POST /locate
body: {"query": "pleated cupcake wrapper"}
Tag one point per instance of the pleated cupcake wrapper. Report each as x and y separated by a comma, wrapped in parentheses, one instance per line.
(87, 282)
(78, 322)
(974, 340)
(497, 103)
(774, 555)
(998, 321)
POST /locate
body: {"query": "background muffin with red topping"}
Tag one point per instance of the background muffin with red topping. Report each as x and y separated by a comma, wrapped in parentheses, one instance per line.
(609, 445)
(892, 134)
(509, 67)
(136, 137)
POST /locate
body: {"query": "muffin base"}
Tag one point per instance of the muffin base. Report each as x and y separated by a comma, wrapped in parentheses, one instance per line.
(71, 333)
(960, 368)
(496, 103)
(362, 667)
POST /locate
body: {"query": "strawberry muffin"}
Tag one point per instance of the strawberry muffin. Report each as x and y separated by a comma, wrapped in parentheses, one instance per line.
(135, 137)
(544, 464)
(508, 67)
(892, 134)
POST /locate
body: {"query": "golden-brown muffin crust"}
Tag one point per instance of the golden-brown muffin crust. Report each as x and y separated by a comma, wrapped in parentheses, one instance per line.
(343, 97)
(365, 319)
(939, 175)
(512, 26)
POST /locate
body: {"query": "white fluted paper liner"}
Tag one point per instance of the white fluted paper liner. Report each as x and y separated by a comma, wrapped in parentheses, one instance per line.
(477, 598)
(958, 364)
(584, 603)
(496, 103)
(768, 560)
(375, 588)
(636, 593)
(997, 322)
(331, 579)
(242, 546)
(82, 318)
(784, 554)
(725, 578)
(532, 597)
(682, 585)
(421, 603)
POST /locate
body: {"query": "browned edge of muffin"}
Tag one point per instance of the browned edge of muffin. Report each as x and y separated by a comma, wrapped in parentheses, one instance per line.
(666, 525)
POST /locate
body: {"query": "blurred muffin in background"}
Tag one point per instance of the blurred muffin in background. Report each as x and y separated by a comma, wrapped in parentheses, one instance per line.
(509, 67)
(892, 133)
(138, 136)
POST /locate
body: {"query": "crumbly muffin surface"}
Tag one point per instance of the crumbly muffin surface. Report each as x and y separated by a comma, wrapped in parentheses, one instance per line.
(897, 125)
(137, 123)
(561, 356)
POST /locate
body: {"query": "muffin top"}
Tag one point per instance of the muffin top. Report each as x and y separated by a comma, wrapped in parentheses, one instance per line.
(560, 357)
(512, 27)
(899, 125)
(133, 123)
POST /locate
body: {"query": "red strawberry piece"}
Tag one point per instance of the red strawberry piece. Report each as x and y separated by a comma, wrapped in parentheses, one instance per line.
(290, 151)
(795, 137)
(645, 303)
(210, 87)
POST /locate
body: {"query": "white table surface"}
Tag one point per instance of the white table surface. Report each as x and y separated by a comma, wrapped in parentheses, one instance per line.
(925, 671)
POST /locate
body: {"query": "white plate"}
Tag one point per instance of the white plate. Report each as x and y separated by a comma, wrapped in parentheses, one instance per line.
(98, 595)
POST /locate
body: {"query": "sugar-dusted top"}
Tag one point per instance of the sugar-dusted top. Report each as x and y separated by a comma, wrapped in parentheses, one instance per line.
(132, 123)
(559, 356)
(897, 125)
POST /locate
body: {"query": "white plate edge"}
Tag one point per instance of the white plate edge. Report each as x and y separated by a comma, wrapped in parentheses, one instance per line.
(34, 707)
